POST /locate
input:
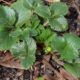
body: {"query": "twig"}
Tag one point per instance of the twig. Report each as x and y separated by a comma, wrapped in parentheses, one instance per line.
(66, 75)
(48, 65)
(45, 23)
(63, 73)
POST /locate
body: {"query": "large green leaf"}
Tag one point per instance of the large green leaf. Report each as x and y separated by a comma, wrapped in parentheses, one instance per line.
(59, 9)
(25, 51)
(7, 17)
(6, 41)
(68, 46)
(72, 47)
(74, 69)
(59, 24)
(43, 11)
(23, 13)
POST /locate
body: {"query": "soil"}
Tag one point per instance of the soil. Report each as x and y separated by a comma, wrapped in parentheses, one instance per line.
(44, 65)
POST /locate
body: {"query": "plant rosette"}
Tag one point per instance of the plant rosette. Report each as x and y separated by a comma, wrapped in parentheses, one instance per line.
(22, 28)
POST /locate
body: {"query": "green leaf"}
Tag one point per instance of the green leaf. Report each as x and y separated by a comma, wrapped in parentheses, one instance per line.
(39, 29)
(16, 33)
(43, 11)
(25, 51)
(35, 21)
(74, 69)
(68, 46)
(36, 2)
(59, 43)
(32, 4)
(72, 47)
(6, 41)
(26, 33)
(7, 17)
(28, 4)
(33, 32)
(59, 24)
(23, 13)
(58, 9)
(73, 39)
(45, 35)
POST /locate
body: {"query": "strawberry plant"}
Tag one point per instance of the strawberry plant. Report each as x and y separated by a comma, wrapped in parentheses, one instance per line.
(26, 23)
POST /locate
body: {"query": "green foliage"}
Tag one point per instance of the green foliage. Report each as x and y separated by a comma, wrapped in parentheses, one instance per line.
(22, 13)
(59, 24)
(40, 10)
(25, 51)
(6, 41)
(59, 9)
(68, 46)
(22, 27)
(28, 3)
(7, 17)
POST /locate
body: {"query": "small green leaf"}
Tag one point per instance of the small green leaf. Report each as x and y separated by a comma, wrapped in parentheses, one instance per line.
(7, 17)
(59, 24)
(23, 13)
(43, 11)
(59, 9)
(44, 35)
(25, 51)
(74, 69)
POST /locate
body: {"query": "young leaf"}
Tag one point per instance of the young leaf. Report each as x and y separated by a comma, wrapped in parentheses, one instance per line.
(44, 35)
(59, 9)
(23, 13)
(43, 11)
(59, 24)
(7, 17)
(25, 51)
